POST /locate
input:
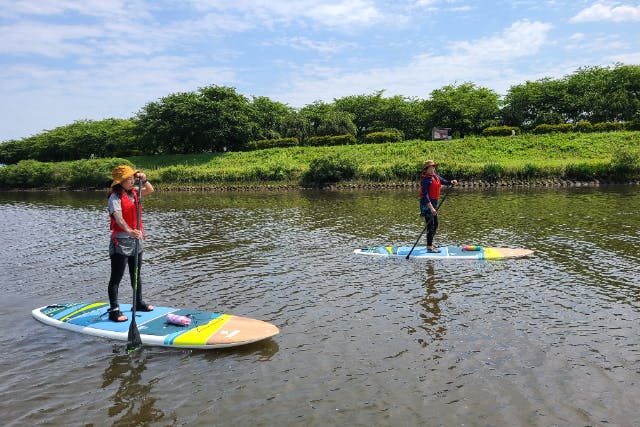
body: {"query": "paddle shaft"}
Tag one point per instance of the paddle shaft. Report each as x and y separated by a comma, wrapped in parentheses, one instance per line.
(429, 221)
(134, 341)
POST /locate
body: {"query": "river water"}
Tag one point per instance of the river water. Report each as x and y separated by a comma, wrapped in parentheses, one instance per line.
(553, 339)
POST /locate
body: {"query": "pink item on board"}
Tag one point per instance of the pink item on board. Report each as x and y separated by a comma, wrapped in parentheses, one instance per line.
(176, 319)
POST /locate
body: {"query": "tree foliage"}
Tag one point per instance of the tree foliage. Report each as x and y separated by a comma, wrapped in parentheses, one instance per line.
(593, 94)
(325, 120)
(217, 118)
(465, 108)
(211, 119)
(82, 139)
(374, 113)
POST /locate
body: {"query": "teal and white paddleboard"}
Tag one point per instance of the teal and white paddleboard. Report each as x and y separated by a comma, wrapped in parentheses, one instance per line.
(207, 329)
(445, 252)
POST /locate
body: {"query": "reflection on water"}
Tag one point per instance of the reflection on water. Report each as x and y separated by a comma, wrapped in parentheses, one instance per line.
(133, 402)
(431, 303)
(547, 340)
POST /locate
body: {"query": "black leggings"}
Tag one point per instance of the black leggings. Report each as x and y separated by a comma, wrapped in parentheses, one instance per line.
(118, 264)
(432, 226)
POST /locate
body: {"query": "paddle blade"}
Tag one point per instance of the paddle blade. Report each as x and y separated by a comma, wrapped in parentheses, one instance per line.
(134, 342)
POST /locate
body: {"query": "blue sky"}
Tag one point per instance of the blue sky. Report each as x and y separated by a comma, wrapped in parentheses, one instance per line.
(67, 60)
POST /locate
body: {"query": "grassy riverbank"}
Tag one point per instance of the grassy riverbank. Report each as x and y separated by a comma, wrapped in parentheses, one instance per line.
(568, 156)
(574, 156)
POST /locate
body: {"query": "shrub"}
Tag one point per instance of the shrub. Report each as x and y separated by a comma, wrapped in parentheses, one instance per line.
(492, 171)
(560, 128)
(25, 174)
(580, 171)
(632, 125)
(94, 173)
(625, 164)
(531, 170)
(584, 126)
(608, 127)
(331, 140)
(76, 174)
(377, 173)
(177, 174)
(13, 151)
(382, 137)
(406, 171)
(501, 131)
(328, 169)
(270, 173)
(272, 143)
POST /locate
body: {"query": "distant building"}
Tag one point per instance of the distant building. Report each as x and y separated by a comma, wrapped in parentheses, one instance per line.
(440, 133)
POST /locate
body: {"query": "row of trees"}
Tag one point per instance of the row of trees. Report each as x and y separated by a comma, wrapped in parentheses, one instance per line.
(217, 118)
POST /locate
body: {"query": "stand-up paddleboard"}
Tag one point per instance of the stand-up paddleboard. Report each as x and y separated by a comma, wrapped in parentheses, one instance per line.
(206, 329)
(445, 252)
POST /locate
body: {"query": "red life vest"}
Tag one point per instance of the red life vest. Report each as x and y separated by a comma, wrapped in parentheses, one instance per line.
(129, 214)
(434, 189)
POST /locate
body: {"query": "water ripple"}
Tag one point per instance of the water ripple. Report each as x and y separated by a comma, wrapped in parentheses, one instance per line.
(547, 340)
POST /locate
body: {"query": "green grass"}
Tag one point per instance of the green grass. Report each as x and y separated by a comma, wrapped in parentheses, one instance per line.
(576, 156)
(523, 156)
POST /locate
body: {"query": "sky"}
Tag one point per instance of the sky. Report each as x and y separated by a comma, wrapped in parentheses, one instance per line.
(68, 60)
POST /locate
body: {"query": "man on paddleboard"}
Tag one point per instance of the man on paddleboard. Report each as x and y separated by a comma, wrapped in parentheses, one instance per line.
(430, 183)
(123, 209)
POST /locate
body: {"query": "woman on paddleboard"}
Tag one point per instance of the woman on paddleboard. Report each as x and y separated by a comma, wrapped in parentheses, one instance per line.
(123, 214)
(430, 183)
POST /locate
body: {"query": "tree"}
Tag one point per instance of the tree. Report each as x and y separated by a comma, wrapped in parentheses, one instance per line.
(366, 111)
(324, 119)
(600, 94)
(595, 94)
(214, 118)
(269, 118)
(534, 103)
(374, 113)
(464, 108)
(407, 115)
(80, 140)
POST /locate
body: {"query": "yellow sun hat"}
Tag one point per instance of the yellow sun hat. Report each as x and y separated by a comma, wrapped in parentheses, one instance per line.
(122, 172)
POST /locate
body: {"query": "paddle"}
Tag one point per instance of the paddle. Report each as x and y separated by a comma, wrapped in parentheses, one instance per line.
(430, 219)
(134, 341)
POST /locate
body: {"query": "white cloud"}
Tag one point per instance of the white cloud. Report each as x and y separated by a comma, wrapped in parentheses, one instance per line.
(346, 13)
(484, 61)
(608, 12)
(435, 5)
(626, 58)
(52, 98)
(47, 40)
(305, 44)
(522, 38)
(596, 43)
(426, 3)
(95, 8)
(335, 13)
(110, 37)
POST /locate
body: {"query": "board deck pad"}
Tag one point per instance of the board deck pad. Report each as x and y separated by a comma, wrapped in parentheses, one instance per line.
(207, 329)
(446, 252)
